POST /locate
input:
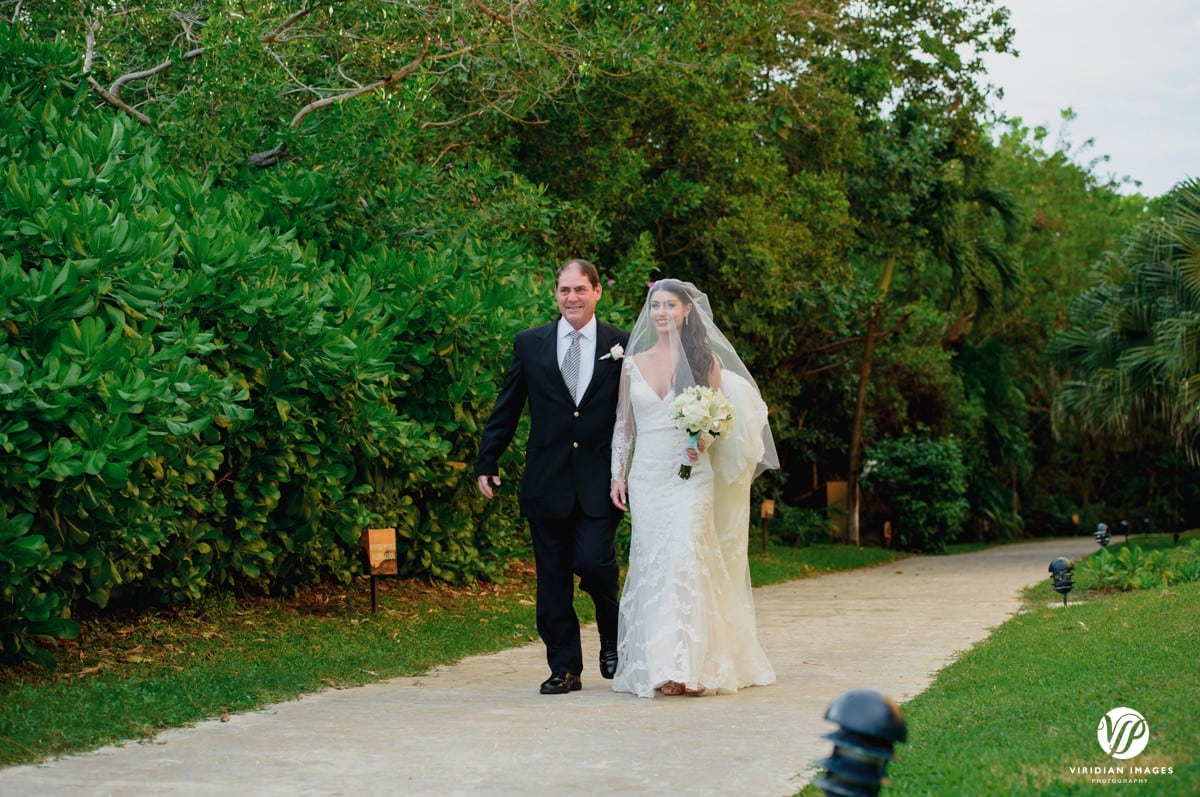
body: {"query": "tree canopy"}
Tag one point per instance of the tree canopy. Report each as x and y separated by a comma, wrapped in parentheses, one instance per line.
(263, 263)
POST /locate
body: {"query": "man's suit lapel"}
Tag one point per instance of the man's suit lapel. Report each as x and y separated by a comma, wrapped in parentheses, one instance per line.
(604, 342)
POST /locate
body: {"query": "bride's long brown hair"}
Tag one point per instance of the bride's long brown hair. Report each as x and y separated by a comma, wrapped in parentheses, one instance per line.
(692, 334)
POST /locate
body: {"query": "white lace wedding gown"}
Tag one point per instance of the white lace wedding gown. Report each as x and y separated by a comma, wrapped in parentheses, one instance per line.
(687, 613)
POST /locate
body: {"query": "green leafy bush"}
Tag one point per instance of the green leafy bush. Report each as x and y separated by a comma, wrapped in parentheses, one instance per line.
(921, 483)
(192, 398)
(1131, 567)
(800, 526)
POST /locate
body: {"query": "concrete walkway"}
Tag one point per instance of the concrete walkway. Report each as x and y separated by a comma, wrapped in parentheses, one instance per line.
(480, 727)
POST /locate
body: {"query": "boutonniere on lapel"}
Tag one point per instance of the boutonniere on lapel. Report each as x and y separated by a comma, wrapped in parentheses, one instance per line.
(615, 353)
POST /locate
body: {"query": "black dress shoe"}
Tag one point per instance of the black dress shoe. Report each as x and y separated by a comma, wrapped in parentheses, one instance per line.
(608, 657)
(560, 683)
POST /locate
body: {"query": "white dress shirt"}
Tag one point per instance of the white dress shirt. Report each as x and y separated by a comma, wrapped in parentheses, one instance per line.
(587, 350)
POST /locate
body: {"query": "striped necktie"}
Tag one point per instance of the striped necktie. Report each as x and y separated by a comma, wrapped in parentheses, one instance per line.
(570, 365)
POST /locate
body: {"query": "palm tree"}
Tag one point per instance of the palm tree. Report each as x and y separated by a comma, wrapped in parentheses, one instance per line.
(1131, 351)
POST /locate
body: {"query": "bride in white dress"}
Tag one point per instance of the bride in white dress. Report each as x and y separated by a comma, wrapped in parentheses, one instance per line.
(687, 613)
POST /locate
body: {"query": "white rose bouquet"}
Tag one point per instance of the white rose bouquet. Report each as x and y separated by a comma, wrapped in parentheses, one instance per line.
(700, 410)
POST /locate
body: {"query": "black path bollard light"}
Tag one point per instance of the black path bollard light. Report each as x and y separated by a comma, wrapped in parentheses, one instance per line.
(1125, 529)
(1101, 534)
(869, 725)
(1146, 525)
(1060, 572)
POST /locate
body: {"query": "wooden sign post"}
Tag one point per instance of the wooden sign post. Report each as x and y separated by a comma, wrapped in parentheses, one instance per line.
(768, 512)
(380, 548)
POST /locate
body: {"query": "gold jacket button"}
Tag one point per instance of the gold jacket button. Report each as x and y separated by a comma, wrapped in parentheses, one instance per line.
(576, 413)
(574, 445)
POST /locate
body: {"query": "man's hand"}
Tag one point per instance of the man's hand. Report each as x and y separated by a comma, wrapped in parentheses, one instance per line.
(617, 494)
(485, 485)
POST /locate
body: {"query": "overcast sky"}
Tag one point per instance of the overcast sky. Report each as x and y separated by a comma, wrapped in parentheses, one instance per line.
(1130, 69)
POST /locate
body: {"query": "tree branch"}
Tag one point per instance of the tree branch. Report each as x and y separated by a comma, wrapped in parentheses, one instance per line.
(276, 35)
(89, 49)
(115, 88)
(506, 19)
(89, 57)
(117, 102)
(272, 156)
(401, 73)
(268, 157)
(518, 31)
(112, 95)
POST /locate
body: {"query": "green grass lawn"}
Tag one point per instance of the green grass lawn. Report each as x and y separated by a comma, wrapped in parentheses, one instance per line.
(1018, 713)
(131, 677)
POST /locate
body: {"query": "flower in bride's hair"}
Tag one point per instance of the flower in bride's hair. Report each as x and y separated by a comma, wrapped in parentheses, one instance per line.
(615, 353)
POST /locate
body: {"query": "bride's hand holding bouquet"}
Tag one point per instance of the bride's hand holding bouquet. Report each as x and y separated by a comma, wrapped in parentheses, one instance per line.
(700, 411)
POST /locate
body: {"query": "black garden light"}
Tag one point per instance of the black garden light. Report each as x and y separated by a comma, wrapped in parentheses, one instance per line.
(1125, 529)
(1060, 572)
(1101, 534)
(1146, 525)
(869, 724)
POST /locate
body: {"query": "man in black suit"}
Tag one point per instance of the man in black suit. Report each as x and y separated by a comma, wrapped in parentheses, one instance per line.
(565, 490)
